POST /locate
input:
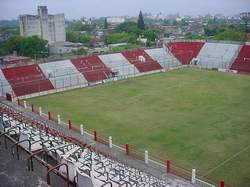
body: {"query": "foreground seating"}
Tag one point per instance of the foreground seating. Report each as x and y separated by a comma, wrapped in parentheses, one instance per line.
(142, 61)
(86, 166)
(26, 80)
(242, 62)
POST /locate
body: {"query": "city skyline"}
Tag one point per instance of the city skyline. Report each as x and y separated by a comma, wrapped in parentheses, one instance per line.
(100, 8)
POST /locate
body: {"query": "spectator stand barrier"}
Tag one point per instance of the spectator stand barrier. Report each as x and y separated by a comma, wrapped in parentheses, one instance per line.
(130, 151)
(39, 165)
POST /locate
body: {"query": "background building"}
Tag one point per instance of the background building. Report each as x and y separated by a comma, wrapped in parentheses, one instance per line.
(65, 47)
(48, 27)
(13, 60)
(114, 21)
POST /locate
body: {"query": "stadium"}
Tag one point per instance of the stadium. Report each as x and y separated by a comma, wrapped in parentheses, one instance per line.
(171, 116)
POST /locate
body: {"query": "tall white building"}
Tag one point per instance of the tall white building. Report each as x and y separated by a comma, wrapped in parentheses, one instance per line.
(115, 20)
(47, 27)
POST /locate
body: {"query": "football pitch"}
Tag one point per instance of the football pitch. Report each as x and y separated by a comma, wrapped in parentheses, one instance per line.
(196, 118)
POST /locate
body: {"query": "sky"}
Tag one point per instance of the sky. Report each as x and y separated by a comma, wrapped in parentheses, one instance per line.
(73, 9)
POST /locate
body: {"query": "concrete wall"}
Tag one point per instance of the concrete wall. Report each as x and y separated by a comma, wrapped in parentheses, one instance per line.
(4, 85)
(48, 27)
(29, 26)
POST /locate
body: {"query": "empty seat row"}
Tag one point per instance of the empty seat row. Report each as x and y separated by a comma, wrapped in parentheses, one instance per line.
(163, 57)
(185, 51)
(142, 61)
(242, 62)
(119, 64)
(85, 166)
(218, 55)
(27, 79)
(63, 74)
(93, 69)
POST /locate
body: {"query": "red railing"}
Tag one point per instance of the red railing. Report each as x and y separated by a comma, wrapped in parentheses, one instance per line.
(176, 170)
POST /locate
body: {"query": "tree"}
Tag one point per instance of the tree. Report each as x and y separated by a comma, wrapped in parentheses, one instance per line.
(79, 52)
(83, 38)
(192, 36)
(229, 34)
(75, 37)
(150, 35)
(140, 22)
(166, 22)
(210, 30)
(129, 27)
(2, 48)
(30, 46)
(71, 36)
(105, 23)
(183, 23)
(123, 48)
(34, 47)
(121, 38)
(174, 23)
(13, 44)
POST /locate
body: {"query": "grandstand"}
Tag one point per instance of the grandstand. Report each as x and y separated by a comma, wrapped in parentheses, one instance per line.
(80, 163)
(63, 74)
(142, 61)
(185, 51)
(242, 62)
(26, 80)
(86, 163)
(218, 55)
(165, 59)
(93, 69)
(118, 63)
(79, 72)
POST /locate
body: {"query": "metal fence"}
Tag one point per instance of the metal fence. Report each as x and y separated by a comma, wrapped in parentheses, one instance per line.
(73, 80)
(155, 162)
(63, 79)
(40, 167)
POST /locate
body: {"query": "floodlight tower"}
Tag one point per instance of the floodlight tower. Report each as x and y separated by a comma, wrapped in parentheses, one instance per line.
(245, 16)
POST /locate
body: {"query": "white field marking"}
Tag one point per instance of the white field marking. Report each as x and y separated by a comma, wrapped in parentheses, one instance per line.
(226, 161)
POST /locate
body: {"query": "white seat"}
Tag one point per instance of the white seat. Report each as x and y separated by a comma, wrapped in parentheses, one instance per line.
(218, 55)
(63, 74)
(118, 63)
(165, 59)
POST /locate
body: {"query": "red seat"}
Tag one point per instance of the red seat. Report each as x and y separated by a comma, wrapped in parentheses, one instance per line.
(27, 79)
(242, 62)
(185, 51)
(148, 65)
(92, 68)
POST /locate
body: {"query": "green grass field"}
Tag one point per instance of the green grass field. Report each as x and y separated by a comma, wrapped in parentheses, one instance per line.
(196, 118)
